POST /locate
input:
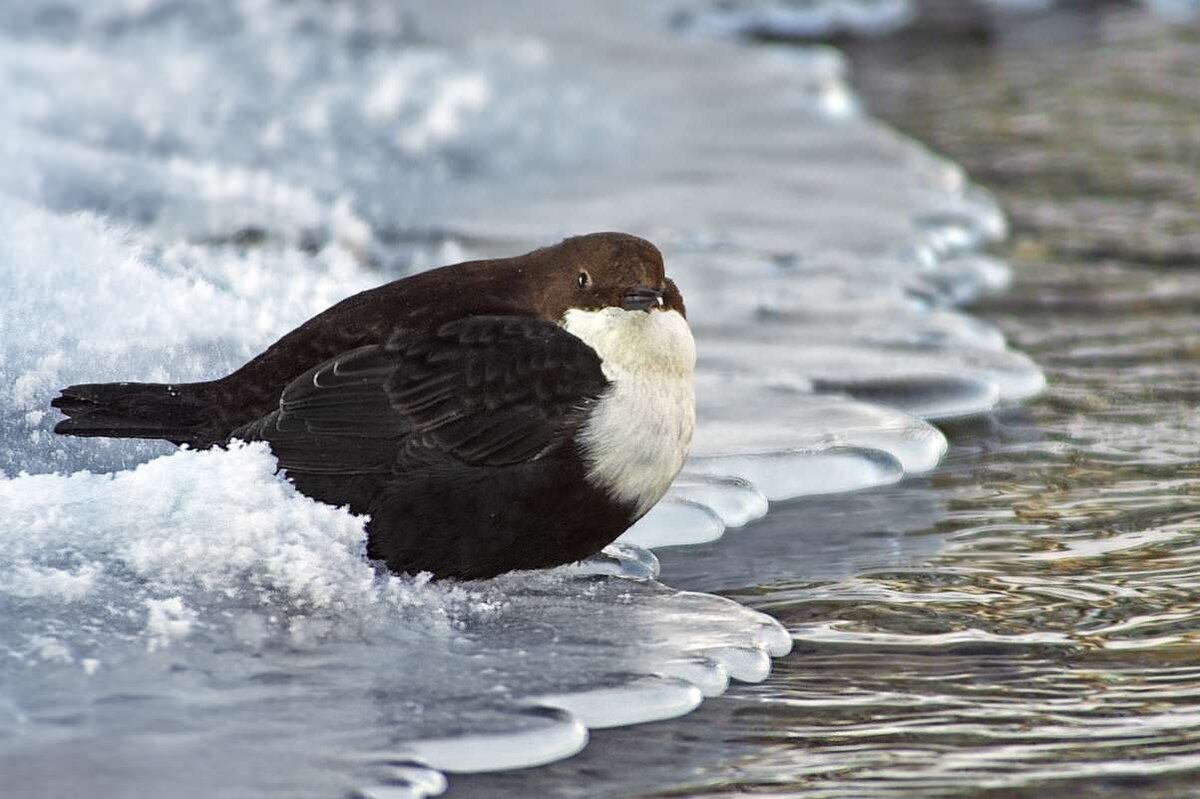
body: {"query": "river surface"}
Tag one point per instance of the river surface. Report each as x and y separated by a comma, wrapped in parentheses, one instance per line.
(1025, 621)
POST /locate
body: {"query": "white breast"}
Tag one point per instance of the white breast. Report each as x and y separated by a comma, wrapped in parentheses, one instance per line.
(638, 433)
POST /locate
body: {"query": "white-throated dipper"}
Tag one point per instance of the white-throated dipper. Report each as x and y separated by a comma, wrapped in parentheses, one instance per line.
(516, 413)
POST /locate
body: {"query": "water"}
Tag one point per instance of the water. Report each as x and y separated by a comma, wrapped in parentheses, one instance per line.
(1023, 621)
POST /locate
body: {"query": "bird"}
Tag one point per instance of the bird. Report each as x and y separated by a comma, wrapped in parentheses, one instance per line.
(488, 416)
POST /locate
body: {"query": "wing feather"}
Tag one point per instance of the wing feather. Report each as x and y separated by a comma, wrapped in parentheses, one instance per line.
(485, 391)
(494, 390)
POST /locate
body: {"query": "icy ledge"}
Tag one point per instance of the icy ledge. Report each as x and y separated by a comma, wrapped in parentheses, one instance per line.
(186, 601)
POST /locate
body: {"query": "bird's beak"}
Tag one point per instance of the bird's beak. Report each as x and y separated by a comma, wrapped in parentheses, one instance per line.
(642, 298)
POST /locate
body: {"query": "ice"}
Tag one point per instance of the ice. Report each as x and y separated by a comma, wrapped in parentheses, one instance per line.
(699, 508)
(649, 699)
(736, 501)
(1020, 6)
(1012, 374)
(942, 397)
(561, 735)
(783, 475)
(1176, 11)
(813, 444)
(812, 422)
(804, 19)
(846, 307)
(707, 674)
(200, 591)
(186, 182)
(676, 521)
(817, 20)
(822, 540)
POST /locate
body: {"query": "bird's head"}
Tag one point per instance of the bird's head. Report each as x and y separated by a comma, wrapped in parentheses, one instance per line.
(605, 270)
(611, 290)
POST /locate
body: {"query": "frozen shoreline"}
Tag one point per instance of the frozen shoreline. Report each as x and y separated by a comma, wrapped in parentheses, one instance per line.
(214, 220)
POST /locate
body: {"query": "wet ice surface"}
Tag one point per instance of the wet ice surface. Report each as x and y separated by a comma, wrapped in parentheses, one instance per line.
(186, 183)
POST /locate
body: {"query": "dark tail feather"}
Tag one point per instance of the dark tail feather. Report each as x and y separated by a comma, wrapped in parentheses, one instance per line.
(177, 413)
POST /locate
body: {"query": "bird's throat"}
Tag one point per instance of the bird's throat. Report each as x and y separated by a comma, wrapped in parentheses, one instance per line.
(637, 435)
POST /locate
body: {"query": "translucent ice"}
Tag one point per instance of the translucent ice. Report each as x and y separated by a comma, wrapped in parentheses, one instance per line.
(675, 521)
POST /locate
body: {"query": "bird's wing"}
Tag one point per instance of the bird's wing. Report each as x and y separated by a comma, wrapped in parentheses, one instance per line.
(487, 390)
(494, 390)
(335, 419)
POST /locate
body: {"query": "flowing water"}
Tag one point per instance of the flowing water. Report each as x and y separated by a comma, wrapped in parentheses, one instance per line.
(1026, 620)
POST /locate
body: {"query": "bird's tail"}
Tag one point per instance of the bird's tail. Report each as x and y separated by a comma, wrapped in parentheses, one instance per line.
(176, 413)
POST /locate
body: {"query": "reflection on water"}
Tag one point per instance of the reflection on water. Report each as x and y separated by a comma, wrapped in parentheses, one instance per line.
(1026, 620)
(1056, 637)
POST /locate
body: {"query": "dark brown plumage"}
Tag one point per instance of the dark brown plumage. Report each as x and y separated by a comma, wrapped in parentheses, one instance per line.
(446, 405)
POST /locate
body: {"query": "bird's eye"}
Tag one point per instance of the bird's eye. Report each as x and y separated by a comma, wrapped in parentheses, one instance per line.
(583, 279)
